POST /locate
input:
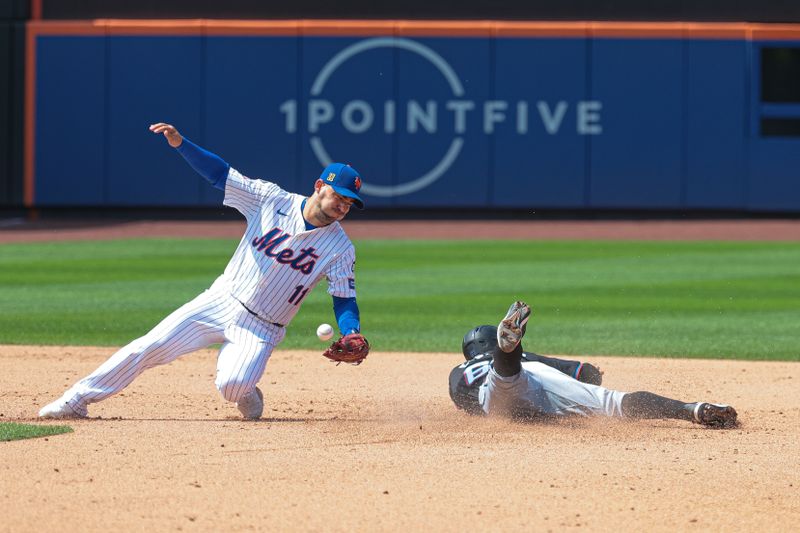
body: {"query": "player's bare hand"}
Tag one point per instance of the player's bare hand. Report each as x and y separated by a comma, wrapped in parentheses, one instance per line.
(174, 138)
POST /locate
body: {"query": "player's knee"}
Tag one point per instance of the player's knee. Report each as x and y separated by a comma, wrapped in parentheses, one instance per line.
(148, 347)
(590, 374)
(231, 389)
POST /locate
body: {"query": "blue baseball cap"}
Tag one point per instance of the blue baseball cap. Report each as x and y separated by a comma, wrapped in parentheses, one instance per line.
(345, 180)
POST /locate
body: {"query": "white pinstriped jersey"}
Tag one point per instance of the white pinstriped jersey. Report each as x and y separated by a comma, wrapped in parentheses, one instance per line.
(278, 261)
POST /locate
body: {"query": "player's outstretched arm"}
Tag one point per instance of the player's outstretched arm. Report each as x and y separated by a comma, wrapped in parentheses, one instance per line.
(347, 315)
(174, 138)
(211, 166)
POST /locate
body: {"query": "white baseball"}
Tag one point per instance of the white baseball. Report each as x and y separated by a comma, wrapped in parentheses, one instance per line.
(324, 332)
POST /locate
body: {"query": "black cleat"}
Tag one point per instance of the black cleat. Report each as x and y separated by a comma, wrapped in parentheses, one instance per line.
(715, 415)
(512, 327)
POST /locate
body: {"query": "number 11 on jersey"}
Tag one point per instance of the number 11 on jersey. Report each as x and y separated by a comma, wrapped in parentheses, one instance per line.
(298, 294)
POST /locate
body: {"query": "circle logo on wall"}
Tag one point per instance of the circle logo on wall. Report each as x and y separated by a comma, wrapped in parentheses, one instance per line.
(363, 108)
(358, 116)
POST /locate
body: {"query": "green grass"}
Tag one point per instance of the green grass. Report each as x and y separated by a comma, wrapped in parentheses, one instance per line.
(14, 431)
(688, 299)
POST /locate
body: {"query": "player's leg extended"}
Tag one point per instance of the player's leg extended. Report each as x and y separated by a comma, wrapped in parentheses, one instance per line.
(564, 395)
(551, 392)
(643, 404)
(194, 325)
(242, 360)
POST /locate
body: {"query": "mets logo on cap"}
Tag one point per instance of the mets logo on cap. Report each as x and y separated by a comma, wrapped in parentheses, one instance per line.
(345, 180)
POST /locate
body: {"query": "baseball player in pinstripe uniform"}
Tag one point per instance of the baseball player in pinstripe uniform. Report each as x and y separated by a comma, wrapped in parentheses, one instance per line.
(291, 243)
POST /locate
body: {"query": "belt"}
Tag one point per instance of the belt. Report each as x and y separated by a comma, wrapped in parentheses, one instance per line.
(259, 317)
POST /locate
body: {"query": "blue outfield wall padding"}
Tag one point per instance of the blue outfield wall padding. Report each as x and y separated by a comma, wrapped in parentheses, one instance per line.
(341, 109)
(774, 174)
(716, 134)
(464, 181)
(243, 122)
(461, 122)
(539, 157)
(636, 162)
(773, 183)
(71, 138)
(158, 79)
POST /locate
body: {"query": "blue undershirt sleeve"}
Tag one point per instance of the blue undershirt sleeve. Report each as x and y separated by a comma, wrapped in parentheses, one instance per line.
(346, 311)
(211, 166)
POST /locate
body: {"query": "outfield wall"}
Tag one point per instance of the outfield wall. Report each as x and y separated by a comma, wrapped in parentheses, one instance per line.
(569, 115)
(13, 13)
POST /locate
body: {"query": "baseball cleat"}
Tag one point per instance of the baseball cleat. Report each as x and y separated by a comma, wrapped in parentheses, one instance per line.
(251, 405)
(512, 327)
(715, 415)
(59, 409)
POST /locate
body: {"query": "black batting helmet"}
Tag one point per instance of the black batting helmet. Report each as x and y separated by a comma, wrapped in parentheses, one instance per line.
(479, 340)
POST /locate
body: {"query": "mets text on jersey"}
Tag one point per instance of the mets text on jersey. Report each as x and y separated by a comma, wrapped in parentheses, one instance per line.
(268, 243)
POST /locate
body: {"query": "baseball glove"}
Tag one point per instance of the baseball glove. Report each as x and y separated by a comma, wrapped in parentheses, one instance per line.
(352, 349)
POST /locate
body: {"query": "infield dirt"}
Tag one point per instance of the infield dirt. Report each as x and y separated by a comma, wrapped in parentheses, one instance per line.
(380, 447)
